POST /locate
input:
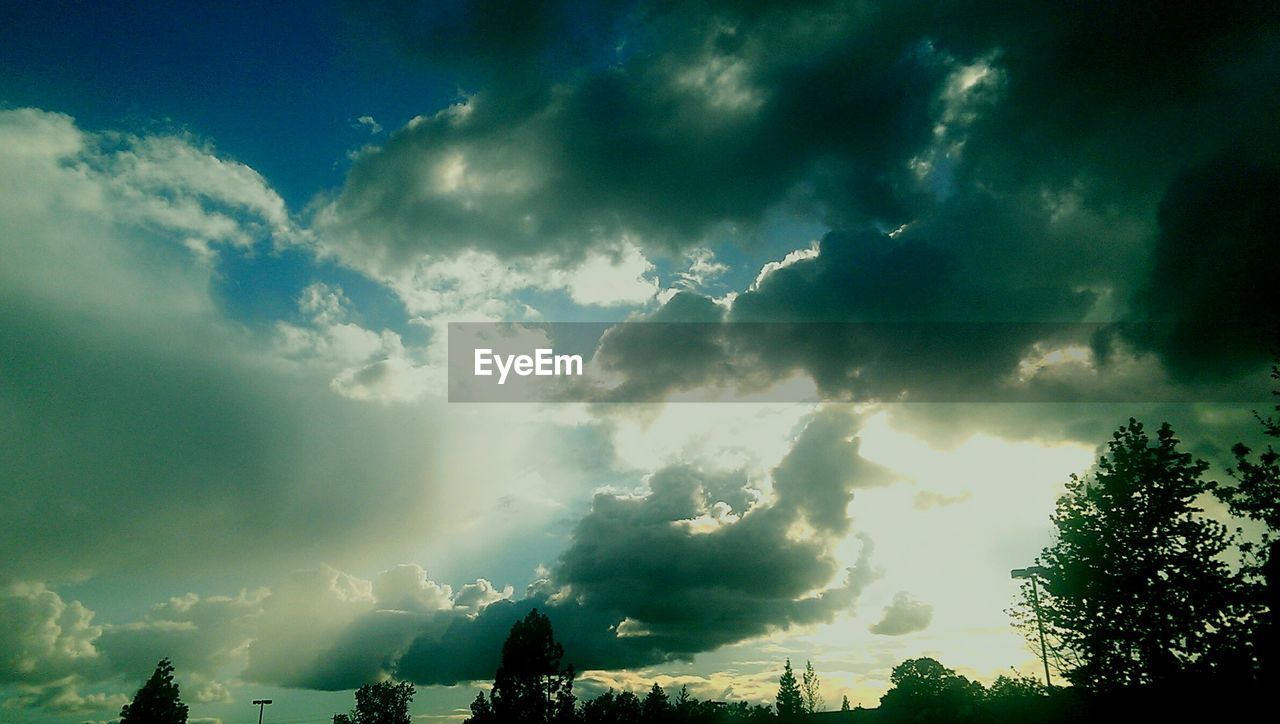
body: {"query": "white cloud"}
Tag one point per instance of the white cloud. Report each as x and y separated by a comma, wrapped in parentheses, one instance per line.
(791, 258)
(44, 637)
(702, 270)
(607, 280)
(364, 364)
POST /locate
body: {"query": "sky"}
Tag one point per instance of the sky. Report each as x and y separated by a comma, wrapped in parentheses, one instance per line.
(233, 236)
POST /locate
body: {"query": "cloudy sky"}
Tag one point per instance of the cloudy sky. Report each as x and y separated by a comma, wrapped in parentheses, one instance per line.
(233, 235)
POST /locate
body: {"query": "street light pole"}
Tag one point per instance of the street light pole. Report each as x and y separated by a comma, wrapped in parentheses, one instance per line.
(1032, 572)
(261, 704)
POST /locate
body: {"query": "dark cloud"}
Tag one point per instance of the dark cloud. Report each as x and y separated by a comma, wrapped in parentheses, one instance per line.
(1119, 96)
(719, 114)
(487, 42)
(686, 568)
(1212, 282)
(977, 163)
(956, 305)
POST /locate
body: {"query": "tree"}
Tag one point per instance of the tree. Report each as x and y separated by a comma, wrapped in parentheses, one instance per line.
(611, 708)
(1135, 590)
(924, 685)
(656, 707)
(844, 703)
(481, 712)
(384, 702)
(811, 690)
(1256, 495)
(158, 701)
(530, 685)
(1016, 687)
(789, 702)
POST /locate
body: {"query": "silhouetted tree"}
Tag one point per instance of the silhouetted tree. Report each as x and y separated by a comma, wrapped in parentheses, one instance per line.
(1016, 687)
(611, 708)
(741, 711)
(1135, 589)
(1256, 495)
(530, 685)
(383, 702)
(844, 703)
(811, 689)
(924, 686)
(1019, 698)
(158, 701)
(481, 712)
(656, 707)
(789, 702)
(684, 705)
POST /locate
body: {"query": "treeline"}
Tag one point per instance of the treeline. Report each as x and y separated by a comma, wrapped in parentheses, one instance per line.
(532, 686)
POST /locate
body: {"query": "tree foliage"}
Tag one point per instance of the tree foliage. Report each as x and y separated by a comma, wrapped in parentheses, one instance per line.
(1256, 495)
(924, 684)
(530, 685)
(1135, 586)
(383, 702)
(811, 690)
(158, 701)
(656, 706)
(790, 701)
(1016, 686)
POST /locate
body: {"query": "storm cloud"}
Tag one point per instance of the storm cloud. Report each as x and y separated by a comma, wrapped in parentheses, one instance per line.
(973, 163)
(686, 567)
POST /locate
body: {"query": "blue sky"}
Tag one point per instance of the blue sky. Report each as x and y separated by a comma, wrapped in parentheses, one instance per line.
(279, 87)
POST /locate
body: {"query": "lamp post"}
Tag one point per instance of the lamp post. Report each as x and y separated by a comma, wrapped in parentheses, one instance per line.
(261, 704)
(1032, 572)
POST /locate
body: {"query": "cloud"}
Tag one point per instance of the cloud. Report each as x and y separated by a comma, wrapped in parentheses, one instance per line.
(494, 43)
(969, 167)
(203, 636)
(927, 314)
(365, 364)
(44, 638)
(1209, 282)
(712, 117)
(51, 649)
(64, 697)
(162, 435)
(903, 616)
(689, 565)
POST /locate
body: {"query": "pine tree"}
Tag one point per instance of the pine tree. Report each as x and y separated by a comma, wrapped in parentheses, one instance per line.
(481, 712)
(656, 707)
(789, 702)
(158, 701)
(811, 690)
(844, 703)
(1135, 588)
(530, 686)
